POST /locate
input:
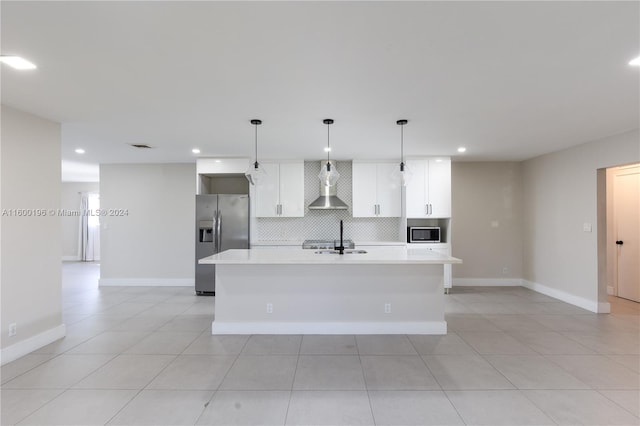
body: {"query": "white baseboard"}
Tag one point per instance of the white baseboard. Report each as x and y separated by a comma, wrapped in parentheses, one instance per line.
(363, 327)
(604, 308)
(24, 347)
(487, 282)
(581, 302)
(70, 258)
(146, 282)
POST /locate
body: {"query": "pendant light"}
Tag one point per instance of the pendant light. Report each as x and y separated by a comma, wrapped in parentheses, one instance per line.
(255, 174)
(403, 174)
(328, 173)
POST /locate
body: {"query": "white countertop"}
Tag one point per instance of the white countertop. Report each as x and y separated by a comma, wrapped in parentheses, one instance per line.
(295, 243)
(376, 255)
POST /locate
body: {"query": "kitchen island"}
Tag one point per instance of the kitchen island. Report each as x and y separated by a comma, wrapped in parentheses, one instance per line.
(387, 290)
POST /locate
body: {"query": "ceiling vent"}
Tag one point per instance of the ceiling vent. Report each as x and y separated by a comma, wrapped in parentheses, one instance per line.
(140, 145)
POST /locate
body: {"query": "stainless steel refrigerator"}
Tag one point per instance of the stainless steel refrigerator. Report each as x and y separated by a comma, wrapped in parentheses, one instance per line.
(222, 223)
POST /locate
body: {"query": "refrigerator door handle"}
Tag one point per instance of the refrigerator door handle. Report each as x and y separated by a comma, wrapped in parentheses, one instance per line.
(215, 231)
(219, 231)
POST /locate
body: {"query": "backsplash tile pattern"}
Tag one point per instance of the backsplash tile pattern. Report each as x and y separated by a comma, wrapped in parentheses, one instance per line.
(324, 224)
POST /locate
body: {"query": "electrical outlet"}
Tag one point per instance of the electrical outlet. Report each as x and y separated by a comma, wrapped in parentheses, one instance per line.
(387, 308)
(13, 329)
(505, 270)
(269, 308)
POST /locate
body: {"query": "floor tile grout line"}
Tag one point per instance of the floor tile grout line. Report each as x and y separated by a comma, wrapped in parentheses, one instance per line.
(62, 391)
(549, 415)
(293, 381)
(217, 389)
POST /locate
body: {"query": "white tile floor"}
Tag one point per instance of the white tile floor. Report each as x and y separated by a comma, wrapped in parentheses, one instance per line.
(145, 355)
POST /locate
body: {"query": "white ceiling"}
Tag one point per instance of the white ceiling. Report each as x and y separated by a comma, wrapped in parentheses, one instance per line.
(508, 80)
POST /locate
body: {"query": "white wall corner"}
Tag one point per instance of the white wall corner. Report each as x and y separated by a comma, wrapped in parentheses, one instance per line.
(487, 282)
(24, 347)
(146, 282)
(578, 301)
(604, 308)
(610, 290)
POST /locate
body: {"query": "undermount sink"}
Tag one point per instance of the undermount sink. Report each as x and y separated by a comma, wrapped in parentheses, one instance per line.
(348, 251)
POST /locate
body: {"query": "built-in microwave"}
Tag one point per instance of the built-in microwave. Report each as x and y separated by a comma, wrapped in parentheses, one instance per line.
(423, 234)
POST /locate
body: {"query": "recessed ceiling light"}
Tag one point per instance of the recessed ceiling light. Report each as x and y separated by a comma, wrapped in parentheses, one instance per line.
(195, 151)
(327, 149)
(635, 62)
(79, 151)
(17, 62)
(218, 161)
(462, 149)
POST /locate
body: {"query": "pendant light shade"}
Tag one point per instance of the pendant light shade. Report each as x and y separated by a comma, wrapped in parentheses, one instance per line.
(328, 173)
(255, 174)
(402, 173)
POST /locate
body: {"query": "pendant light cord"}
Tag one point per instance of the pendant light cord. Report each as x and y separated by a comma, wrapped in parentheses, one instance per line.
(402, 144)
(256, 162)
(328, 146)
(401, 123)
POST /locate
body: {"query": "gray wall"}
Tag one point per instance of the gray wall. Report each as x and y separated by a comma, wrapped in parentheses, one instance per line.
(30, 271)
(483, 194)
(560, 195)
(154, 243)
(70, 200)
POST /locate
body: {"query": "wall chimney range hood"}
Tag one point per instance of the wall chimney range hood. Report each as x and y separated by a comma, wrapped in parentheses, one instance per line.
(328, 199)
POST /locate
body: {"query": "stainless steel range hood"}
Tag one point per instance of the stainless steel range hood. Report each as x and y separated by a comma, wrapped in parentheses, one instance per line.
(328, 199)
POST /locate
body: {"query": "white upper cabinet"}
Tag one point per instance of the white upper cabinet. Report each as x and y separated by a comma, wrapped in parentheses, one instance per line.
(428, 193)
(375, 192)
(282, 192)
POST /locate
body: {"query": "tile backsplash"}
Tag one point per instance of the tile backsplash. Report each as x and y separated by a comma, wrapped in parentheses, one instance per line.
(324, 224)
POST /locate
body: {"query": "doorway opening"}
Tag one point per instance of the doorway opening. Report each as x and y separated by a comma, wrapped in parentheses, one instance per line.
(622, 240)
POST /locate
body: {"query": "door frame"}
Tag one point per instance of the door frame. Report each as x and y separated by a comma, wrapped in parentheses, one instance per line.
(607, 255)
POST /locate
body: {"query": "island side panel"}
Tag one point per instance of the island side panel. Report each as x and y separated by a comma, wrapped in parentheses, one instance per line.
(329, 299)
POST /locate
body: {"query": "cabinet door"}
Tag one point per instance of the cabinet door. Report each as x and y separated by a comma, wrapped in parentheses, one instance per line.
(439, 190)
(292, 189)
(416, 189)
(267, 198)
(389, 190)
(364, 189)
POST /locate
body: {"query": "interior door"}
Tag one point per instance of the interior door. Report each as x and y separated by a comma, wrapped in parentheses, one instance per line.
(626, 207)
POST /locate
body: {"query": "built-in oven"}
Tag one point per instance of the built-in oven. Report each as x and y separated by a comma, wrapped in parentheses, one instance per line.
(423, 234)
